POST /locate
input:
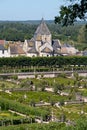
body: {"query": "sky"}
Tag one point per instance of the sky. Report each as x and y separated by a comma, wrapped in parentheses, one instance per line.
(29, 9)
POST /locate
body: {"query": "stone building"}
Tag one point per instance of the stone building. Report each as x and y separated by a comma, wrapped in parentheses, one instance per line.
(42, 44)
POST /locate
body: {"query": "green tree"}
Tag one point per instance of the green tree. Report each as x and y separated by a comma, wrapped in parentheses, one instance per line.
(27, 84)
(63, 117)
(76, 75)
(69, 14)
(82, 37)
(58, 87)
(43, 85)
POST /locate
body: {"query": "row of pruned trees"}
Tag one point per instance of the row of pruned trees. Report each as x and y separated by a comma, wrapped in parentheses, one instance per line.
(43, 61)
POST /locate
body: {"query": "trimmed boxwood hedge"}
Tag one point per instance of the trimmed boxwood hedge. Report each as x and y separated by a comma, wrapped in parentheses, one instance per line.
(43, 61)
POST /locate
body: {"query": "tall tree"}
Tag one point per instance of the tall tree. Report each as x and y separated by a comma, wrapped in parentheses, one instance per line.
(82, 37)
(69, 14)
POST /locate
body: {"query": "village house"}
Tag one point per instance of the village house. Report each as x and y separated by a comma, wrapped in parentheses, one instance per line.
(67, 49)
(16, 49)
(3, 51)
(84, 53)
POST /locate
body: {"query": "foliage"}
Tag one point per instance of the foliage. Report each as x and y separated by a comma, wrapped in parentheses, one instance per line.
(76, 76)
(81, 124)
(15, 120)
(32, 97)
(43, 61)
(82, 37)
(58, 87)
(26, 84)
(16, 31)
(70, 13)
(63, 75)
(24, 109)
(50, 126)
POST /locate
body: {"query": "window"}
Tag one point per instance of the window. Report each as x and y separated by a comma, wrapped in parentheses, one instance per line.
(2, 51)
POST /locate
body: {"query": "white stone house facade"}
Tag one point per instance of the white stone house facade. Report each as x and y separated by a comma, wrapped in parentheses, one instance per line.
(4, 52)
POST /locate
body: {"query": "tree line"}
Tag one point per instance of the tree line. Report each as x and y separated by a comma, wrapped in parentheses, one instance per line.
(18, 31)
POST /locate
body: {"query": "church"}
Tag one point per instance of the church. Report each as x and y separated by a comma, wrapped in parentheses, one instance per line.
(41, 44)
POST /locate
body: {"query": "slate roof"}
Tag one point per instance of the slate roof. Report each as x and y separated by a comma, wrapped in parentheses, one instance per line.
(66, 45)
(56, 51)
(2, 47)
(31, 42)
(16, 49)
(46, 50)
(56, 44)
(32, 50)
(42, 29)
(85, 53)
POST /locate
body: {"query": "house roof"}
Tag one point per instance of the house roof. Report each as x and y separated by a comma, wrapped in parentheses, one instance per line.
(42, 29)
(2, 42)
(56, 44)
(56, 51)
(66, 45)
(2, 47)
(46, 50)
(85, 53)
(32, 50)
(64, 50)
(31, 42)
(16, 49)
